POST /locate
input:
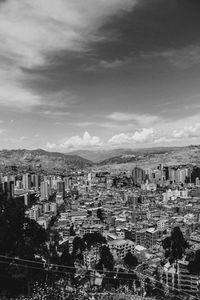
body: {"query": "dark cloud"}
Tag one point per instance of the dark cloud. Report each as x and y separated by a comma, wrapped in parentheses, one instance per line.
(153, 25)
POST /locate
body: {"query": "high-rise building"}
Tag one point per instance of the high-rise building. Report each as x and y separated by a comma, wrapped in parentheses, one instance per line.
(8, 189)
(67, 181)
(195, 173)
(44, 190)
(171, 174)
(61, 187)
(1, 177)
(138, 175)
(35, 181)
(11, 189)
(26, 179)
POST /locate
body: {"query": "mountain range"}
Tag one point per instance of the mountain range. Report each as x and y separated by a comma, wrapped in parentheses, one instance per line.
(148, 157)
(39, 158)
(51, 161)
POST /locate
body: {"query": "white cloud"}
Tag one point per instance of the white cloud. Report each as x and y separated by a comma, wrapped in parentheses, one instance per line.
(22, 138)
(12, 93)
(77, 142)
(141, 119)
(55, 113)
(164, 140)
(192, 131)
(51, 146)
(31, 31)
(146, 135)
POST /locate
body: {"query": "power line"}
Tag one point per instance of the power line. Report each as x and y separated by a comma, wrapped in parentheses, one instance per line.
(106, 277)
(70, 267)
(86, 275)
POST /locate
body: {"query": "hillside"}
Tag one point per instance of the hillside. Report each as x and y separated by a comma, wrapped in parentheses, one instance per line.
(122, 158)
(99, 156)
(155, 156)
(120, 155)
(42, 159)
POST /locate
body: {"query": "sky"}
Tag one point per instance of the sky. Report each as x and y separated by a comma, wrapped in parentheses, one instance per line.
(99, 74)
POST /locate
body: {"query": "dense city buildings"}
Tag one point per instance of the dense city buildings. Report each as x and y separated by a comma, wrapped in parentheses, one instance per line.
(130, 214)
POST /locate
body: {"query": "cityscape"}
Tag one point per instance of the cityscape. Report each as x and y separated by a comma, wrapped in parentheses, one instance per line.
(97, 234)
(99, 150)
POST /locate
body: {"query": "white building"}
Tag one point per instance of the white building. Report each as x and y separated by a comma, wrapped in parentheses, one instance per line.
(121, 247)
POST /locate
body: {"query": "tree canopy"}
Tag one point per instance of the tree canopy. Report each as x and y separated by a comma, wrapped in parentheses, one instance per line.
(106, 258)
(130, 260)
(175, 245)
(194, 264)
(100, 214)
(93, 239)
(20, 238)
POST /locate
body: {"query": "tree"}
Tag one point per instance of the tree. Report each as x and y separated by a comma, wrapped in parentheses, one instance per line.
(130, 260)
(194, 264)
(100, 214)
(71, 231)
(94, 239)
(21, 238)
(78, 245)
(175, 245)
(106, 258)
(148, 287)
(99, 267)
(67, 260)
(89, 213)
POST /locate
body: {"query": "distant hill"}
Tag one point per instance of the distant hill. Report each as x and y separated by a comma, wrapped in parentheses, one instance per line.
(42, 159)
(143, 157)
(101, 155)
(154, 156)
(118, 158)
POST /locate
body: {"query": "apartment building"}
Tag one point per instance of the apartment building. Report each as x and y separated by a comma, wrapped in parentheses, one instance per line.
(152, 235)
(180, 278)
(121, 247)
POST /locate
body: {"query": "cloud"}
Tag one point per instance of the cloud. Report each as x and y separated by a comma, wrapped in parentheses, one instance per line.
(146, 135)
(33, 32)
(192, 131)
(141, 119)
(181, 58)
(164, 139)
(29, 30)
(104, 64)
(51, 146)
(77, 142)
(55, 113)
(12, 93)
(22, 138)
(192, 106)
(84, 124)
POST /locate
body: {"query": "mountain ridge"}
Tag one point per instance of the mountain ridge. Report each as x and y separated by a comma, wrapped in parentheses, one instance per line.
(51, 161)
(39, 158)
(98, 156)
